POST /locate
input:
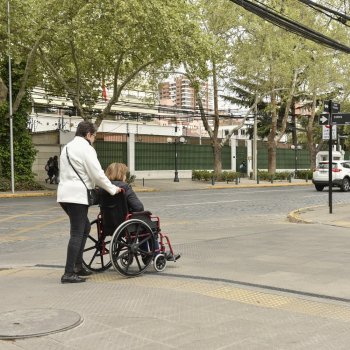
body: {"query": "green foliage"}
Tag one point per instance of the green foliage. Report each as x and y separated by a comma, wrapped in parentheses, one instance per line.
(23, 149)
(266, 176)
(20, 185)
(304, 174)
(130, 178)
(207, 175)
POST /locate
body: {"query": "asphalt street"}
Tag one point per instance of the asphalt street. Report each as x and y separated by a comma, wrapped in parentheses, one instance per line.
(248, 278)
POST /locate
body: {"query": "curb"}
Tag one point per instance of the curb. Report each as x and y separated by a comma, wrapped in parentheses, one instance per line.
(54, 193)
(51, 193)
(294, 216)
(212, 187)
(28, 194)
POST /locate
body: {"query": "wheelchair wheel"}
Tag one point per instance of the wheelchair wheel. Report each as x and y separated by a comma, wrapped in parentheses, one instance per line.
(132, 247)
(96, 252)
(159, 263)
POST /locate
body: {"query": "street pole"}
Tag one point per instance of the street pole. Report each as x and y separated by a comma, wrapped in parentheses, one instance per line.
(176, 178)
(10, 99)
(330, 156)
(296, 160)
(255, 144)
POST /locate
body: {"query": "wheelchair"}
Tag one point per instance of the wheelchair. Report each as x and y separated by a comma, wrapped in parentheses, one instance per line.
(130, 242)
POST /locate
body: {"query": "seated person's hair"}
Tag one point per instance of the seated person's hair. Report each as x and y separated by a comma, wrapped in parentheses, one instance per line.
(117, 172)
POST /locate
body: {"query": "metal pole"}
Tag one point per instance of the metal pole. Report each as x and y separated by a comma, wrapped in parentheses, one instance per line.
(10, 99)
(176, 178)
(255, 145)
(330, 156)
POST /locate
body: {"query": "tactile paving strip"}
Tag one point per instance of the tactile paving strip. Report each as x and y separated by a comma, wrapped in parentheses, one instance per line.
(330, 310)
(323, 309)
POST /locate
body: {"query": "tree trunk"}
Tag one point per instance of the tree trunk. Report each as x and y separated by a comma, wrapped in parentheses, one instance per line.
(271, 143)
(310, 133)
(217, 157)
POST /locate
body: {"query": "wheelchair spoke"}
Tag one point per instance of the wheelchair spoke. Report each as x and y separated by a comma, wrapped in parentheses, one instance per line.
(93, 258)
(96, 252)
(132, 248)
(90, 248)
(92, 239)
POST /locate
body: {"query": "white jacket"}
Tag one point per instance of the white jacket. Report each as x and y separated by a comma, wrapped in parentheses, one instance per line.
(84, 159)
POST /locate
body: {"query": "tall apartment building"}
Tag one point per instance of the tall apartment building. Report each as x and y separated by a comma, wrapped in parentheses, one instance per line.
(182, 96)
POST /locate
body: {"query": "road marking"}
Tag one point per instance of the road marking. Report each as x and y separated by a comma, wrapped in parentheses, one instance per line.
(26, 214)
(10, 236)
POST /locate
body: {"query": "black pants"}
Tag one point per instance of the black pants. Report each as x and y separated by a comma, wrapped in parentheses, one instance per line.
(79, 231)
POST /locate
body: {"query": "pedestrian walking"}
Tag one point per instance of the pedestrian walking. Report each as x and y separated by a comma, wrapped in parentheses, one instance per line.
(243, 169)
(49, 170)
(79, 167)
(55, 178)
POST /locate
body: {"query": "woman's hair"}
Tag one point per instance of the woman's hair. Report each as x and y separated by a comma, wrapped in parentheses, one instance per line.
(116, 171)
(84, 128)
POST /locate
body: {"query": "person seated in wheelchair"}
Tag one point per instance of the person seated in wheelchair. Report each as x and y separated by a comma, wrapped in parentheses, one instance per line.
(112, 218)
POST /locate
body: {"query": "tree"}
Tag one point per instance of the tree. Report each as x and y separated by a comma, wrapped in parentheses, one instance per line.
(24, 152)
(219, 23)
(116, 43)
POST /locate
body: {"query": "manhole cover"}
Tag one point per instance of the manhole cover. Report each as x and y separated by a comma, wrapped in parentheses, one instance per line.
(36, 322)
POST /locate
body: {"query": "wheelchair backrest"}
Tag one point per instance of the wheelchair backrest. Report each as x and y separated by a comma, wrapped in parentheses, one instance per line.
(114, 210)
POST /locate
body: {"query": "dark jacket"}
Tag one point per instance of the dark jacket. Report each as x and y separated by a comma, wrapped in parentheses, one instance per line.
(113, 210)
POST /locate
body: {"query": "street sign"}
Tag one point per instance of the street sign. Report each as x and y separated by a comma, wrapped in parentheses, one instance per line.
(325, 132)
(341, 119)
(324, 119)
(335, 107)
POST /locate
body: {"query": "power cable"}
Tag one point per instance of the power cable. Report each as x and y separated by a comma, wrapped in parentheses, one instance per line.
(290, 25)
(341, 17)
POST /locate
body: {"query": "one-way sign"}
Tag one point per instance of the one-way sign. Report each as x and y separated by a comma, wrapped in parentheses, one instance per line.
(335, 107)
(341, 119)
(324, 119)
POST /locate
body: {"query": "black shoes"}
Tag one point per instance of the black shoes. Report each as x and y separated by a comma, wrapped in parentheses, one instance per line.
(72, 278)
(82, 272)
(171, 257)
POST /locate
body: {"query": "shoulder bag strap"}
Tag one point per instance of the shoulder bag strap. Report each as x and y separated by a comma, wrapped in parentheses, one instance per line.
(74, 168)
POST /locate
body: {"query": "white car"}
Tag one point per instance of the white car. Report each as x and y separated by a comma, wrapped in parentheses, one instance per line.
(340, 175)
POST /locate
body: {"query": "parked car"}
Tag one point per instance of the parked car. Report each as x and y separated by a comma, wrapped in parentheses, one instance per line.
(340, 175)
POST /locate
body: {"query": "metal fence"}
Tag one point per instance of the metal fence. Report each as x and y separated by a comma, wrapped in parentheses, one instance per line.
(161, 156)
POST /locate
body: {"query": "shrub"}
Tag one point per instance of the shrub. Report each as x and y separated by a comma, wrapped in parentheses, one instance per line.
(265, 175)
(130, 178)
(207, 175)
(20, 185)
(301, 174)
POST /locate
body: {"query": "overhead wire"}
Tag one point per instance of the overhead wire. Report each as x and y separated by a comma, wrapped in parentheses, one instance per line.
(341, 17)
(290, 25)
